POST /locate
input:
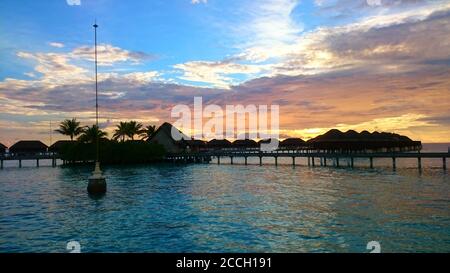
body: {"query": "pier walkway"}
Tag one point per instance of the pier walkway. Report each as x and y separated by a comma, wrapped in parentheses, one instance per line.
(35, 157)
(311, 156)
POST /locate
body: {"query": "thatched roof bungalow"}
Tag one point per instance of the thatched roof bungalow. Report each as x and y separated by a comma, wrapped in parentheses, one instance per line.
(335, 140)
(28, 147)
(193, 145)
(292, 144)
(245, 144)
(218, 144)
(165, 134)
(56, 147)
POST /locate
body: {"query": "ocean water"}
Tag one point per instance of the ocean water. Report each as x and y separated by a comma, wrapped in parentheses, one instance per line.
(229, 208)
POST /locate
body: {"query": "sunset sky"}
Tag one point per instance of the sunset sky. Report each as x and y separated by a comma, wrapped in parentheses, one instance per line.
(349, 64)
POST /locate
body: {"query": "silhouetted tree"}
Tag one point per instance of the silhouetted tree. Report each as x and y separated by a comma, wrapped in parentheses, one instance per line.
(122, 131)
(148, 132)
(70, 127)
(134, 128)
(90, 134)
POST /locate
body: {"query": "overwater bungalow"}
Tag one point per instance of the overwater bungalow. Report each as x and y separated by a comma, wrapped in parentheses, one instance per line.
(193, 145)
(352, 141)
(292, 144)
(28, 147)
(56, 147)
(163, 136)
(247, 144)
(218, 144)
(2, 149)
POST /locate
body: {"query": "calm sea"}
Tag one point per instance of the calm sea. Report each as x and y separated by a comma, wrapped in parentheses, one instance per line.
(229, 208)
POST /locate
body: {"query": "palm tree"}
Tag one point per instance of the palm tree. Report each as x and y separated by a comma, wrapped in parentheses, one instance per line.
(70, 127)
(90, 134)
(121, 131)
(134, 128)
(148, 132)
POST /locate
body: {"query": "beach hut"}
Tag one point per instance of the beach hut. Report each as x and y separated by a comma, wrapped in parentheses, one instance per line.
(352, 141)
(194, 145)
(28, 147)
(170, 137)
(292, 144)
(56, 147)
(218, 144)
(245, 144)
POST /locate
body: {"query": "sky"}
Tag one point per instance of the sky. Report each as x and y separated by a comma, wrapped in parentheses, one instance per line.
(379, 65)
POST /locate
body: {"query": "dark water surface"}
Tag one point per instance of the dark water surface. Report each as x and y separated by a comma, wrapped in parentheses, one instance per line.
(224, 208)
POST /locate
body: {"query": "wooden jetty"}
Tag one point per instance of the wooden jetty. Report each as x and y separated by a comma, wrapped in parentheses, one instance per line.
(311, 156)
(34, 157)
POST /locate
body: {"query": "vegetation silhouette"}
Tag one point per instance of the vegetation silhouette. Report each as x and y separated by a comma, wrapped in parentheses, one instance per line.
(70, 127)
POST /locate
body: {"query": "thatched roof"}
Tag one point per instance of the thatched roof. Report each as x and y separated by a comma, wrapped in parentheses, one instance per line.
(352, 140)
(245, 143)
(55, 147)
(351, 135)
(167, 129)
(292, 143)
(268, 140)
(28, 146)
(219, 143)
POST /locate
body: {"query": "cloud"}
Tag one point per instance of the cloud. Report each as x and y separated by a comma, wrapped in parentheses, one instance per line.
(55, 68)
(199, 1)
(62, 68)
(215, 73)
(390, 42)
(308, 103)
(385, 42)
(269, 29)
(73, 2)
(58, 45)
(107, 54)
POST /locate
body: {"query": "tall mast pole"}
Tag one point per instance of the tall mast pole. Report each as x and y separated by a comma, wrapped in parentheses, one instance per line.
(97, 182)
(96, 91)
